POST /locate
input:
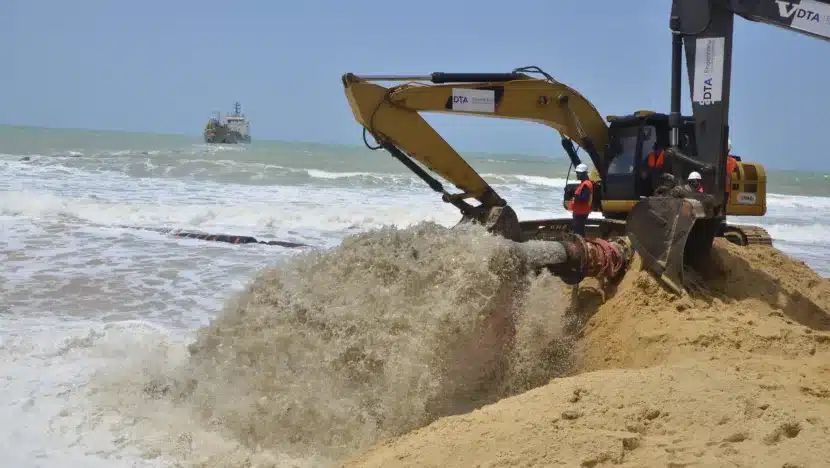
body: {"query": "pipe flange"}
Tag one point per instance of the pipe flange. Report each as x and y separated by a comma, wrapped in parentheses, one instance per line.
(573, 271)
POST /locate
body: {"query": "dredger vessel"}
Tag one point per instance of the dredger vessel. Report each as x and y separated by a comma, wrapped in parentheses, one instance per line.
(233, 129)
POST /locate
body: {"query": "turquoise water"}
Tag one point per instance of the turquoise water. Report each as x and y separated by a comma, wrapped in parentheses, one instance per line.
(335, 158)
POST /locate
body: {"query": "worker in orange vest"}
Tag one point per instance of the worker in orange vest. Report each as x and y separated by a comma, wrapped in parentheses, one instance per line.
(580, 204)
(654, 167)
(655, 158)
(731, 166)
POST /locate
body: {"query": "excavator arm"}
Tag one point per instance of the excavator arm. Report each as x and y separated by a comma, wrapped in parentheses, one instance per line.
(391, 116)
(669, 233)
(704, 28)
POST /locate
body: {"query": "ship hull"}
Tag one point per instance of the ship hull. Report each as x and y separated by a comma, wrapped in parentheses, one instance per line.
(233, 129)
(228, 137)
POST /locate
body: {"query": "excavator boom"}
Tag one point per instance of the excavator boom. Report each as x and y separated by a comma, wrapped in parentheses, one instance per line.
(392, 116)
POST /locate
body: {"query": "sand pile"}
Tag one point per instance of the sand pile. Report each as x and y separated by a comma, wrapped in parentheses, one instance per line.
(738, 374)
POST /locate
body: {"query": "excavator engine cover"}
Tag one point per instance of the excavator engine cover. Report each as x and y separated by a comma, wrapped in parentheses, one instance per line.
(658, 228)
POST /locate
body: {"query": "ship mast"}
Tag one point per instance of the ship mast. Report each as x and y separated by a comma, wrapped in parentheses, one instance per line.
(237, 109)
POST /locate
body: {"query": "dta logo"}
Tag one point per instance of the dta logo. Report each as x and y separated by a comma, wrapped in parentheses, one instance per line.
(791, 10)
(473, 100)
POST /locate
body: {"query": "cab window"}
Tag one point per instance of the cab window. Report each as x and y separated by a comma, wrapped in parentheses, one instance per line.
(623, 162)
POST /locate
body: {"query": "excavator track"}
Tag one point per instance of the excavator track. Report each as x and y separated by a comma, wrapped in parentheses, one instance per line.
(743, 234)
(555, 229)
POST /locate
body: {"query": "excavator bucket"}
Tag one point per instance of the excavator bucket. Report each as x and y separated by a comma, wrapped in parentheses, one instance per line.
(658, 228)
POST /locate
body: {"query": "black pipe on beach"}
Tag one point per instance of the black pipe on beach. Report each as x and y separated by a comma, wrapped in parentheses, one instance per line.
(227, 238)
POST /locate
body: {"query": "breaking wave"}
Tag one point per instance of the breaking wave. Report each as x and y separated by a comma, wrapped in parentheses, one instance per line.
(336, 349)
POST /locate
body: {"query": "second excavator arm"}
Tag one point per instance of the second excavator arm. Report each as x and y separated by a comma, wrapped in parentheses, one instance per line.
(391, 116)
(705, 29)
(666, 231)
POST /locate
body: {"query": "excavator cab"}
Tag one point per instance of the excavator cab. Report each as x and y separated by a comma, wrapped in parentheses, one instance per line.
(626, 177)
(631, 139)
(669, 232)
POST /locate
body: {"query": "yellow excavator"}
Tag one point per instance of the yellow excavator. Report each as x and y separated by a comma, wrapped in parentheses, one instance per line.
(667, 231)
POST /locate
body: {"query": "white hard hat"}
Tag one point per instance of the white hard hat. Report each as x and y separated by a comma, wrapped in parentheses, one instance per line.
(694, 176)
(582, 168)
(729, 144)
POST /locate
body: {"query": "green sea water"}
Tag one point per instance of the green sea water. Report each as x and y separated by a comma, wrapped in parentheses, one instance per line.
(349, 158)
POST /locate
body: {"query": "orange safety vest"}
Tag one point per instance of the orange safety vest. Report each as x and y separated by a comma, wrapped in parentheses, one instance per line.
(655, 164)
(578, 206)
(731, 166)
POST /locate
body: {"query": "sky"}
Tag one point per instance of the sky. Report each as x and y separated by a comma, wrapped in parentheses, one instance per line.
(166, 67)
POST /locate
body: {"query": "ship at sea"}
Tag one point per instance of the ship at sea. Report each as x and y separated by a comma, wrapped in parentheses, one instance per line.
(230, 130)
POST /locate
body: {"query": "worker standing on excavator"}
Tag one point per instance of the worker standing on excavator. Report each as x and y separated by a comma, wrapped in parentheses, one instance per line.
(580, 204)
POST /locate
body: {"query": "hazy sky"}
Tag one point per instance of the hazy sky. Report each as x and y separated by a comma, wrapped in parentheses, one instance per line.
(166, 66)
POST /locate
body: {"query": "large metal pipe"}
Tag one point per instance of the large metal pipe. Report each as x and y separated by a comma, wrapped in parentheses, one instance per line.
(575, 258)
(572, 258)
